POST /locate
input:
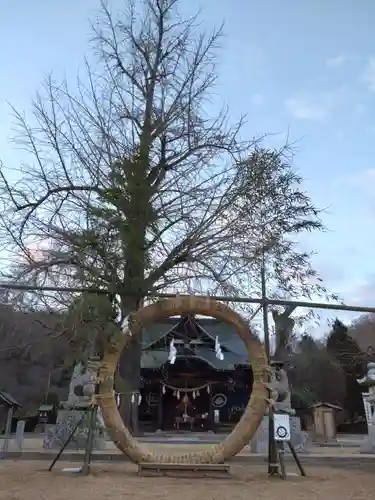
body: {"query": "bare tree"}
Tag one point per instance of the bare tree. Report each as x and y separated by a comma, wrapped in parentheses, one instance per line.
(135, 185)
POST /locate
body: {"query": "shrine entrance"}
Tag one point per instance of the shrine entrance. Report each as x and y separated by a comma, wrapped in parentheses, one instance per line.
(187, 396)
(198, 392)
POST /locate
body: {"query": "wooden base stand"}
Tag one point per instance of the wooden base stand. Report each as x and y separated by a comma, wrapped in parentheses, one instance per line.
(184, 470)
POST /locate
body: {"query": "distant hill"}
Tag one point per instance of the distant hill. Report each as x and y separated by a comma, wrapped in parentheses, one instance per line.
(32, 356)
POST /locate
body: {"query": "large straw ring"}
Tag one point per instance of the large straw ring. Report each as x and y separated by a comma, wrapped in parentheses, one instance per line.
(252, 416)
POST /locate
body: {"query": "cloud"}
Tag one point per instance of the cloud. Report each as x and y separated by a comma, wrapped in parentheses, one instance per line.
(368, 76)
(363, 293)
(359, 187)
(302, 109)
(362, 179)
(312, 107)
(355, 293)
(336, 62)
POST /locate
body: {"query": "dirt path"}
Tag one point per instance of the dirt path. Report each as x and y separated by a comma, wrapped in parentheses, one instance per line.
(20, 480)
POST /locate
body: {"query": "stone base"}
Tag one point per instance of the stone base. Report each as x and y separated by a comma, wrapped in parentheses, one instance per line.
(300, 439)
(368, 445)
(319, 441)
(57, 435)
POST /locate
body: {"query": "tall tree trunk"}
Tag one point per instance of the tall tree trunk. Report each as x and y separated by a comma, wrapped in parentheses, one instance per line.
(139, 214)
(130, 372)
(284, 325)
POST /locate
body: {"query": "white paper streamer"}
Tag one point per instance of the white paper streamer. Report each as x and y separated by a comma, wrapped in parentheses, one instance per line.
(218, 351)
(172, 353)
(125, 326)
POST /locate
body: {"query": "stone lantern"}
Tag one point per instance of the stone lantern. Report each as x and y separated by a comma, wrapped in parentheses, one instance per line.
(368, 382)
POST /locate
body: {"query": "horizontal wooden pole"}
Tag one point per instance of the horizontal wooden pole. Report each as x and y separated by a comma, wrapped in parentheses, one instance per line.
(244, 300)
(281, 302)
(318, 305)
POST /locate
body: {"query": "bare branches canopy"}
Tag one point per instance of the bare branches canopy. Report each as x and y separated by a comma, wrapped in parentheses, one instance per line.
(138, 181)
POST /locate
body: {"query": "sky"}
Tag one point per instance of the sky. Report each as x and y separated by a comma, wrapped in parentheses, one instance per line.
(299, 69)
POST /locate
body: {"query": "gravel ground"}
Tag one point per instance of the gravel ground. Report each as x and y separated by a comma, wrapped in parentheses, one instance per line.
(30, 480)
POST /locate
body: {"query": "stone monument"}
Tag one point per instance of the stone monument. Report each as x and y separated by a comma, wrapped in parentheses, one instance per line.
(368, 382)
(280, 393)
(81, 391)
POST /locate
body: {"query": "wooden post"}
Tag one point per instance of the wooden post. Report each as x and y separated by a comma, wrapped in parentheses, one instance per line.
(273, 466)
(90, 440)
(211, 414)
(8, 429)
(134, 414)
(131, 412)
(160, 408)
(70, 437)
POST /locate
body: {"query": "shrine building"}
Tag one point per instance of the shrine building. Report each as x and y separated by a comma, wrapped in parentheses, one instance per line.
(200, 390)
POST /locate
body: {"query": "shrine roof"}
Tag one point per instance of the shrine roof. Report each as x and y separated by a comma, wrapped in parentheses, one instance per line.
(8, 399)
(154, 359)
(321, 404)
(227, 335)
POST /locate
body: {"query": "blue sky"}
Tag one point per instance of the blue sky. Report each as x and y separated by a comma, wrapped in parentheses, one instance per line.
(300, 68)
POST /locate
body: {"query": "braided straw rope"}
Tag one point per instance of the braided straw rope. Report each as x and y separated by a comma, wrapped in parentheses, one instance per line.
(252, 416)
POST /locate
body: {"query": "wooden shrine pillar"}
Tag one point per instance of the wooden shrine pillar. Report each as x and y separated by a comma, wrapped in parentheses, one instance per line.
(211, 420)
(8, 429)
(160, 409)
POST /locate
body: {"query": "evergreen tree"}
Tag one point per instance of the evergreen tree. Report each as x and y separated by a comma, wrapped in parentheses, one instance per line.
(307, 344)
(312, 366)
(343, 348)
